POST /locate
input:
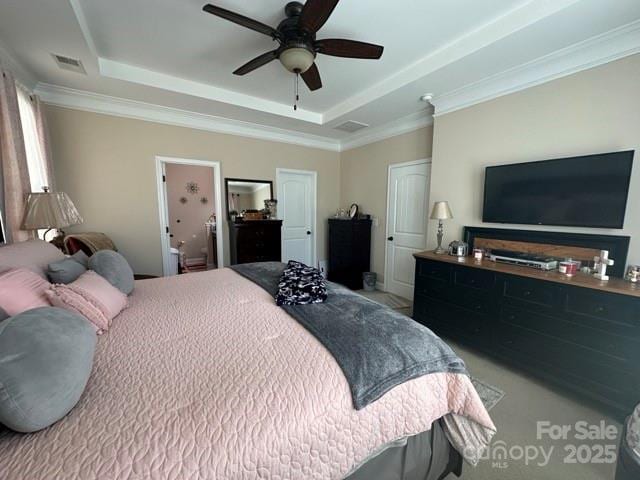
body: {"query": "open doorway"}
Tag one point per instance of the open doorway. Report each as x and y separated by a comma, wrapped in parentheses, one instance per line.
(190, 202)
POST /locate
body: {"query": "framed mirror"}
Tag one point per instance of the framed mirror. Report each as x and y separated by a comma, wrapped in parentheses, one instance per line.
(245, 195)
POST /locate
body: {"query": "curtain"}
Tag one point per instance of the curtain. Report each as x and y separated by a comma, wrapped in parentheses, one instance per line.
(35, 140)
(13, 163)
(44, 143)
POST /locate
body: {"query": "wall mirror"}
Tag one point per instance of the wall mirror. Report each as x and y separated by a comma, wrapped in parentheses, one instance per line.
(244, 194)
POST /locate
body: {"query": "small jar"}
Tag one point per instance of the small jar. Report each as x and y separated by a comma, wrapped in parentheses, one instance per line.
(478, 253)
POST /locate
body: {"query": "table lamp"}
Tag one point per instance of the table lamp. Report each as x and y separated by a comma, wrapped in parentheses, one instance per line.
(441, 211)
(50, 210)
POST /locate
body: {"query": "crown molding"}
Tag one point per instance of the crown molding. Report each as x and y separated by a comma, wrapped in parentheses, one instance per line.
(121, 107)
(98, 103)
(407, 124)
(607, 47)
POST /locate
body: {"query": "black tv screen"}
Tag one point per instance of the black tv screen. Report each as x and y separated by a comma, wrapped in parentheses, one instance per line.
(589, 191)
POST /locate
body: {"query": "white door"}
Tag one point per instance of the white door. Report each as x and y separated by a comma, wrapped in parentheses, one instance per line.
(406, 224)
(297, 209)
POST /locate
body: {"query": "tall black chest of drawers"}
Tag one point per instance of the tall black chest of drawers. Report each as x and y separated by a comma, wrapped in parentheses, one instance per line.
(580, 333)
(349, 251)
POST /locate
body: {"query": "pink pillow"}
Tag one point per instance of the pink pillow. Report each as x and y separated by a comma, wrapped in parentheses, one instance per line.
(21, 290)
(91, 296)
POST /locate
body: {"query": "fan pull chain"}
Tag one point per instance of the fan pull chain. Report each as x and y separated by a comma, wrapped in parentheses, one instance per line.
(296, 92)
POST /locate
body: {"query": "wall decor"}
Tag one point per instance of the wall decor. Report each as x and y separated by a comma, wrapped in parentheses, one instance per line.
(192, 188)
(204, 200)
(183, 200)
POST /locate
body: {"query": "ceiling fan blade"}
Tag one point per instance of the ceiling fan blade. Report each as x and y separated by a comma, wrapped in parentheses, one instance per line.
(312, 78)
(257, 62)
(338, 47)
(315, 13)
(241, 20)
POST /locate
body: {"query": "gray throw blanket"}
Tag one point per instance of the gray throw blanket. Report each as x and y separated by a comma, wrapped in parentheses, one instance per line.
(376, 347)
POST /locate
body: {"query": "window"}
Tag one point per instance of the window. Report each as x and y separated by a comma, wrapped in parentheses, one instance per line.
(36, 162)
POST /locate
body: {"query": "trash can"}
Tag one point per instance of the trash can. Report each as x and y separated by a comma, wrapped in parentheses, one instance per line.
(174, 259)
(628, 467)
(369, 281)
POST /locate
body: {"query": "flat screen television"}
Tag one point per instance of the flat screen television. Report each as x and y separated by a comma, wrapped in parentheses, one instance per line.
(588, 191)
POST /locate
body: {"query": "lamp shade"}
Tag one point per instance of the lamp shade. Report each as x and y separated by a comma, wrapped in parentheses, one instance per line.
(50, 210)
(441, 211)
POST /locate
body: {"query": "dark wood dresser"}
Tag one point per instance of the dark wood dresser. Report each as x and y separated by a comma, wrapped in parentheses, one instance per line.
(349, 251)
(579, 332)
(255, 241)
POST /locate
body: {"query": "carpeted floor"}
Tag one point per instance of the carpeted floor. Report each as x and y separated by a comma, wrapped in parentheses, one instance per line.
(519, 401)
(526, 402)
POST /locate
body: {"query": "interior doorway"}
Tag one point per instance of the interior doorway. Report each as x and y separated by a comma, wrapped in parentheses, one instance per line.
(297, 210)
(407, 210)
(190, 206)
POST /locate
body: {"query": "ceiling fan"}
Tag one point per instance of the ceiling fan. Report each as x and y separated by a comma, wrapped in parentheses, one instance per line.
(296, 36)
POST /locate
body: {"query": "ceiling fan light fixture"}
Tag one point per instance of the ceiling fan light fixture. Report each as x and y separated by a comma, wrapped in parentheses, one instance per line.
(297, 59)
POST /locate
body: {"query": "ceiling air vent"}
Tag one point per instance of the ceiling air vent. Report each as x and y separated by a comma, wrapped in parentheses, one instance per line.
(351, 126)
(67, 63)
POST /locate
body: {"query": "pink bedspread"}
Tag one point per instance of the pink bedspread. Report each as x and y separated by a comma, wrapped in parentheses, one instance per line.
(204, 377)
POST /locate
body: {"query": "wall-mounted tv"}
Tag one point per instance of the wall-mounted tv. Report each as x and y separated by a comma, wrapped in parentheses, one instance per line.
(588, 191)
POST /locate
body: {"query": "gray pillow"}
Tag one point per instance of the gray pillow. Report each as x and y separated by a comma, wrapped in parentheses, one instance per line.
(114, 268)
(46, 356)
(81, 258)
(69, 269)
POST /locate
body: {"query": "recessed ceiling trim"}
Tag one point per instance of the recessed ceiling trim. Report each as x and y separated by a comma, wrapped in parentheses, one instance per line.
(590, 53)
(97, 103)
(130, 73)
(84, 26)
(407, 124)
(512, 21)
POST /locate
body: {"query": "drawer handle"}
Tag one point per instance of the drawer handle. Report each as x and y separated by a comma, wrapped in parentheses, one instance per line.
(526, 293)
(478, 307)
(512, 317)
(600, 309)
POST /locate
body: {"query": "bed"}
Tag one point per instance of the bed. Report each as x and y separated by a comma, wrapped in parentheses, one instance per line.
(204, 377)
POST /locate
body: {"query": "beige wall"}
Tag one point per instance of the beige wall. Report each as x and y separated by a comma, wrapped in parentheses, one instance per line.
(597, 110)
(364, 180)
(106, 163)
(107, 166)
(187, 220)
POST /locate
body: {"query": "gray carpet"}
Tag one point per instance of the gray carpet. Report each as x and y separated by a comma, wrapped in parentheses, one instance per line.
(528, 401)
(516, 415)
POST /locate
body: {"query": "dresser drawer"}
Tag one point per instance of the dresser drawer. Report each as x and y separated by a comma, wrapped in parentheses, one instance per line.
(584, 367)
(475, 278)
(611, 307)
(476, 301)
(434, 270)
(533, 293)
(617, 347)
(449, 320)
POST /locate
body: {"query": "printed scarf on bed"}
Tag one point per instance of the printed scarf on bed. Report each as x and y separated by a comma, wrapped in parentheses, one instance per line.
(376, 347)
(300, 285)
